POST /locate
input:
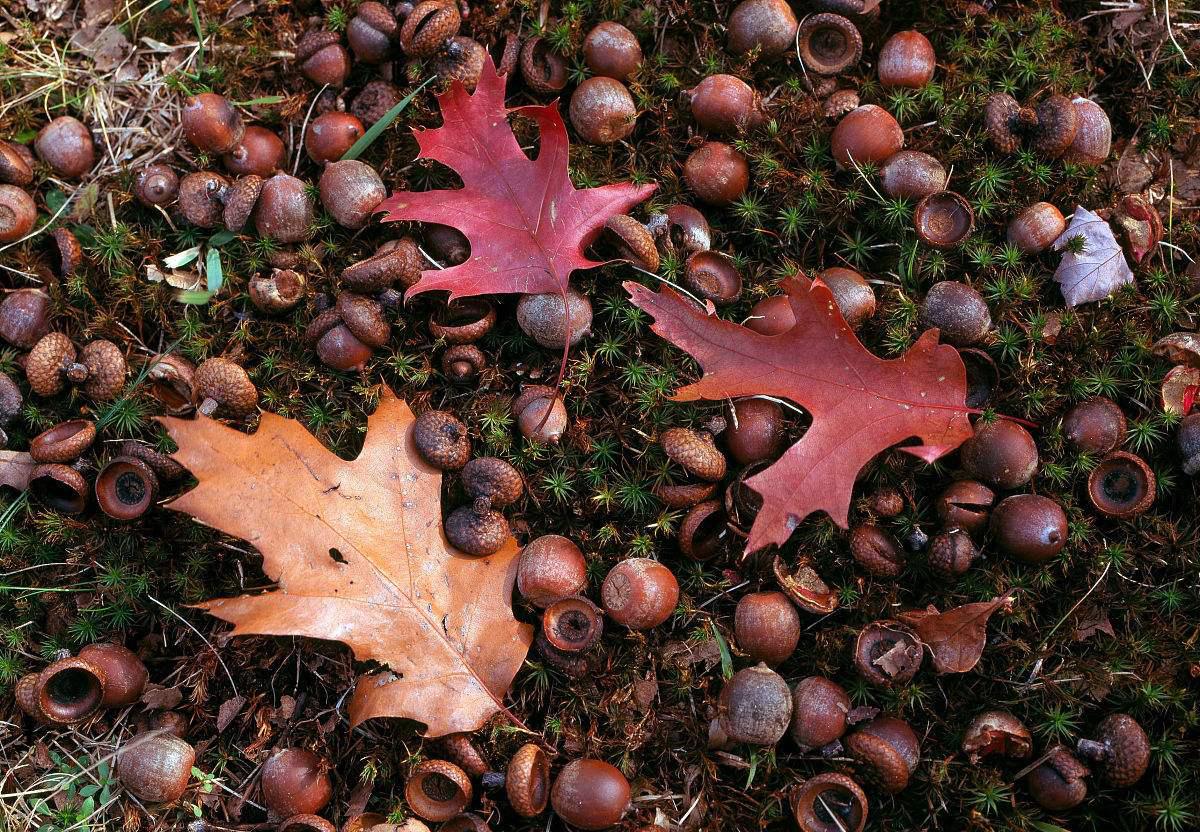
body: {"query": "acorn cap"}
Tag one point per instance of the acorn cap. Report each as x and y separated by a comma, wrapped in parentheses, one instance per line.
(527, 781)
(438, 790)
(463, 362)
(544, 70)
(106, 370)
(200, 198)
(313, 41)
(828, 43)
(364, 317)
(46, 364)
(172, 382)
(493, 478)
(385, 267)
(442, 440)
(67, 251)
(14, 170)
(889, 748)
(163, 466)
(63, 442)
(322, 323)
(220, 382)
(240, 199)
(279, 291)
(463, 321)
(634, 241)
(428, 26)
(684, 495)
(1121, 749)
(1057, 121)
(695, 451)
(70, 690)
(477, 529)
(60, 487)
(125, 488)
(1000, 114)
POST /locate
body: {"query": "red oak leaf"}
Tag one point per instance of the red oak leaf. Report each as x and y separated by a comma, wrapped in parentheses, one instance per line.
(860, 404)
(528, 225)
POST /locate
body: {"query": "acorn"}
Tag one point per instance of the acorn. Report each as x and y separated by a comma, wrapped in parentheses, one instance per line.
(463, 753)
(633, 240)
(550, 567)
(371, 32)
(876, 551)
(259, 153)
(395, 260)
(754, 430)
(755, 706)
(460, 60)
(1058, 784)
(11, 401)
(306, 823)
(200, 198)
(1121, 750)
(330, 135)
(18, 213)
(285, 211)
(442, 440)
(24, 317)
(364, 317)
(716, 173)
(889, 748)
(602, 110)
(351, 192)
(704, 530)
(156, 767)
(69, 690)
(463, 362)
(375, 100)
(550, 323)
(1001, 453)
(278, 291)
(531, 408)
(724, 104)
(957, 311)
(681, 229)
(295, 781)
(639, 593)
(712, 276)
(766, 25)
(1029, 527)
(866, 134)
(50, 362)
(222, 386)
(163, 466)
(1093, 135)
(1048, 129)
(1037, 227)
(851, 292)
(65, 144)
(907, 59)
(211, 123)
(14, 169)
(819, 710)
(336, 346)
(1096, 425)
(428, 26)
(322, 58)
(590, 794)
(105, 369)
(1122, 486)
(612, 50)
(766, 627)
(911, 174)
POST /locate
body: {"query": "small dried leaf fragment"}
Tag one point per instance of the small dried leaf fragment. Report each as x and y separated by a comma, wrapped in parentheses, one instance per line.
(957, 636)
(15, 468)
(1098, 268)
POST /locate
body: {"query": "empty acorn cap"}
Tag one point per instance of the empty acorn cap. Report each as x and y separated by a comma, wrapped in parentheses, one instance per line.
(67, 253)
(60, 487)
(221, 383)
(695, 451)
(105, 369)
(634, 241)
(63, 442)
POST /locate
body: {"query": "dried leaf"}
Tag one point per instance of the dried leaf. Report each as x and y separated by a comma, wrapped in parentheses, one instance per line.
(158, 698)
(1099, 269)
(1091, 620)
(527, 223)
(228, 711)
(860, 404)
(957, 636)
(358, 551)
(15, 468)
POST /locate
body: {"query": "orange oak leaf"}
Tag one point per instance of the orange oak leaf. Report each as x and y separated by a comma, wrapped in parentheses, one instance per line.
(359, 555)
(528, 225)
(957, 636)
(860, 404)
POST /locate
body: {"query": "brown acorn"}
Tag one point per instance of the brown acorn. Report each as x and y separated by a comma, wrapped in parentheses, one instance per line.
(1121, 750)
(14, 169)
(200, 195)
(477, 529)
(876, 551)
(695, 451)
(49, 362)
(394, 260)
(259, 153)
(221, 385)
(106, 369)
(330, 135)
(527, 781)
(125, 488)
(364, 317)
(951, 553)
(463, 321)
(830, 802)
(819, 710)
(63, 442)
(66, 254)
(211, 123)
(156, 767)
(24, 317)
(171, 380)
(552, 323)
(890, 750)
(65, 144)
(540, 413)
(285, 210)
(18, 213)
(239, 200)
(572, 624)
(11, 401)
(295, 781)
(463, 362)
(551, 567)
(70, 690)
(322, 58)
(634, 241)
(755, 706)
(124, 674)
(156, 185)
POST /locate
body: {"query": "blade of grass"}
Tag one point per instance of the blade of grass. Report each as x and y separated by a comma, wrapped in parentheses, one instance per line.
(195, 14)
(378, 127)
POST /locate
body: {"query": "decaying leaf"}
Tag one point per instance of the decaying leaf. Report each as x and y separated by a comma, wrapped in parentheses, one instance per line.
(15, 469)
(359, 555)
(1090, 620)
(528, 225)
(860, 404)
(956, 637)
(1096, 271)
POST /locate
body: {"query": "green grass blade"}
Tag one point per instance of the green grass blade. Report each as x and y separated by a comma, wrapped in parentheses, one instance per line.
(378, 127)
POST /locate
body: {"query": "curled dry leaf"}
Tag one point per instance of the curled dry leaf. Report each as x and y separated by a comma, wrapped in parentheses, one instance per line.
(860, 404)
(358, 551)
(956, 637)
(1096, 271)
(528, 225)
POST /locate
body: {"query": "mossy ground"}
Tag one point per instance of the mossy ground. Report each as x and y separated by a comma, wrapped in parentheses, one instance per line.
(71, 581)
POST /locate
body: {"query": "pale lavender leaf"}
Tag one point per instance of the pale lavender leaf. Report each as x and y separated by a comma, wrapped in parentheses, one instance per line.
(1097, 271)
